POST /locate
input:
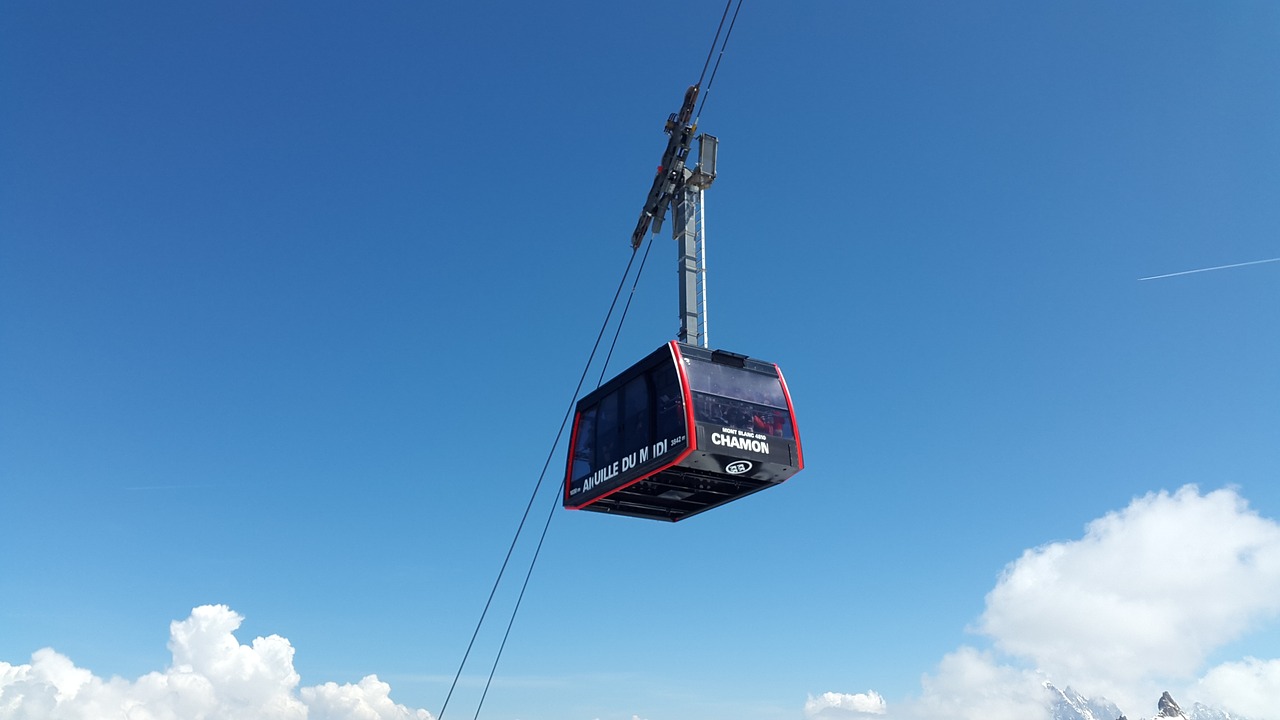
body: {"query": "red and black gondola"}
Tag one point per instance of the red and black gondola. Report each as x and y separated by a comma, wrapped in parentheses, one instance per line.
(682, 431)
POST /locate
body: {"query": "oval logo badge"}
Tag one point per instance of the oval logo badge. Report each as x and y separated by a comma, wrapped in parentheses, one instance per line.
(737, 467)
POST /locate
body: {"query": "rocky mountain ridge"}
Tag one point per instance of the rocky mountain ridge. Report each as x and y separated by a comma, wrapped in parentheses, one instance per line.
(1070, 705)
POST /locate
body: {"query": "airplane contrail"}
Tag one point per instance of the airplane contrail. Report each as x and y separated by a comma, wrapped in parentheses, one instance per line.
(1219, 267)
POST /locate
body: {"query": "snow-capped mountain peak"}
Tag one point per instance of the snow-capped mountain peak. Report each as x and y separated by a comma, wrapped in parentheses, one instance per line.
(1169, 709)
(1068, 704)
(1071, 705)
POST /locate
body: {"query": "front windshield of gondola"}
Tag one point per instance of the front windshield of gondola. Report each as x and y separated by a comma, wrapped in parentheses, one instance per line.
(739, 398)
(629, 430)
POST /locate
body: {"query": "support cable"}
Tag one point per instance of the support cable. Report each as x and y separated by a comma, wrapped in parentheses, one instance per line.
(520, 528)
(711, 51)
(723, 45)
(569, 411)
(622, 318)
(537, 551)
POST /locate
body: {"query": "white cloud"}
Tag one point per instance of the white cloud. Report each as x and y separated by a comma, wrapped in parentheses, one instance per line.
(971, 685)
(212, 677)
(968, 685)
(1144, 597)
(1135, 606)
(1250, 688)
(369, 700)
(833, 705)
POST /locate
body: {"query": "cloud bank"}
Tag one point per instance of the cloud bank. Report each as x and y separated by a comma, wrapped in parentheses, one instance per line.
(1135, 606)
(212, 677)
(1144, 597)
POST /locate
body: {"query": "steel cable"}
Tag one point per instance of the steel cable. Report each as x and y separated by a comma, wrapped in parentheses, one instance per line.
(703, 101)
(622, 318)
(569, 411)
(520, 528)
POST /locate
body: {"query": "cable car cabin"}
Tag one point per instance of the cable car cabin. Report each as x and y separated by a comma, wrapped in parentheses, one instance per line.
(680, 432)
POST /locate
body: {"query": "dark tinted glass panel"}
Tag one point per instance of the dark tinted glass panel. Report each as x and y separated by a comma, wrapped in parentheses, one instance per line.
(584, 444)
(738, 383)
(635, 414)
(607, 431)
(772, 421)
(669, 401)
(742, 415)
(739, 398)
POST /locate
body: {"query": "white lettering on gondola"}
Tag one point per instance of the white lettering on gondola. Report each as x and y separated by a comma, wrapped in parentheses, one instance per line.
(603, 475)
(733, 439)
(626, 464)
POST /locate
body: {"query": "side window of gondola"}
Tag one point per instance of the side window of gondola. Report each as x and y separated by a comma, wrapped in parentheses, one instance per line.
(668, 404)
(739, 398)
(607, 431)
(631, 421)
(584, 444)
(635, 414)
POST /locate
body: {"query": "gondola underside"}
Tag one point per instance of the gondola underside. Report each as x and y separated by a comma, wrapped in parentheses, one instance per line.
(677, 493)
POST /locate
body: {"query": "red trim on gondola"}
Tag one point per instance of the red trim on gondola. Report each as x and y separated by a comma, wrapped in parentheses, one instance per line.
(573, 443)
(692, 432)
(795, 430)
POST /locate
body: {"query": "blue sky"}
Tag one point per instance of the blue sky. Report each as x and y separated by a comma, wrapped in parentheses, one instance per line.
(293, 297)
